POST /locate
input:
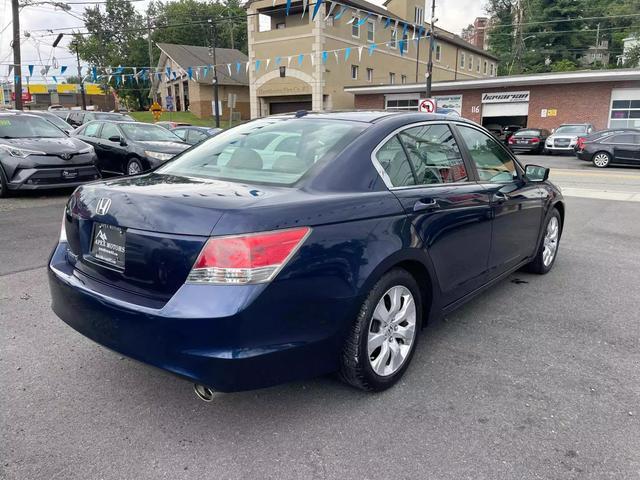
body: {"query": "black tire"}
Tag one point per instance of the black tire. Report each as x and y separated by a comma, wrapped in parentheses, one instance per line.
(134, 163)
(537, 265)
(4, 189)
(601, 159)
(356, 369)
(548, 152)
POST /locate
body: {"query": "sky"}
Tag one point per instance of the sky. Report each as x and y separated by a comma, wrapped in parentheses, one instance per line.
(453, 15)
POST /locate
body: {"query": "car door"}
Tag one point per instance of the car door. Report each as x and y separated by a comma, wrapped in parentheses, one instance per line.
(450, 212)
(625, 147)
(516, 204)
(113, 153)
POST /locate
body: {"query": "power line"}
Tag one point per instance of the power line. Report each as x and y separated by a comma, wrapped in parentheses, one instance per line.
(560, 20)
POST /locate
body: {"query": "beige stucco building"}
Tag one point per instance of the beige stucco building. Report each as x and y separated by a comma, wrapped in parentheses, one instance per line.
(279, 83)
(196, 93)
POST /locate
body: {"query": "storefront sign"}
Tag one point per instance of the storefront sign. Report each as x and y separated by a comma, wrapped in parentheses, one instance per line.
(552, 112)
(450, 102)
(505, 97)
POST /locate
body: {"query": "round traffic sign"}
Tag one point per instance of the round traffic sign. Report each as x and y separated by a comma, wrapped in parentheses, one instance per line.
(427, 105)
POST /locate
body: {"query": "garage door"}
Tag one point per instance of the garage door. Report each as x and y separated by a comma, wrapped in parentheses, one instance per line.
(288, 107)
(505, 109)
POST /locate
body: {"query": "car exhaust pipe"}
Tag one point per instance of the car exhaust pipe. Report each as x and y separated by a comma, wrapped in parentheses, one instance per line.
(203, 393)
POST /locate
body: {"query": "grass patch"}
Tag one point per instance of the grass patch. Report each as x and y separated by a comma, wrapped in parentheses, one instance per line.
(186, 117)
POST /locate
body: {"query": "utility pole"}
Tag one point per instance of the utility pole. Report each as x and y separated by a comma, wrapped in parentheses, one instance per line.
(432, 42)
(150, 47)
(17, 60)
(82, 93)
(231, 29)
(216, 108)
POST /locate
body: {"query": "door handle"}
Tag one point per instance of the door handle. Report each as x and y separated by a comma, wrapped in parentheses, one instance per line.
(426, 204)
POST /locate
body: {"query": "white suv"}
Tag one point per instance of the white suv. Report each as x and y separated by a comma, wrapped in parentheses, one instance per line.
(565, 137)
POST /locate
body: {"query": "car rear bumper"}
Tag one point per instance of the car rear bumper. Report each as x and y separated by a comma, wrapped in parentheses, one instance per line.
(58, 177)
(583, 155)
(227, 337)
(525, 148)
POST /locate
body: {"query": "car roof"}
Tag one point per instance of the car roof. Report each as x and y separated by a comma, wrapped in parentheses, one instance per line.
(372, 116)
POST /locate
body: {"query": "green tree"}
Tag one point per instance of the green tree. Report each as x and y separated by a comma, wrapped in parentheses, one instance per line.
(115, 38)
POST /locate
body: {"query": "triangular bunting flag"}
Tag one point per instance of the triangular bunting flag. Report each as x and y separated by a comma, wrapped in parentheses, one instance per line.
(372, 47)
(229, 68)
(347, 53)
(316, 8)
(300, 58)
(266, 67)
(258, 62)
(288, 7)
(305, 4)
(325, 56)
(340, 13)
(331, 8)
(30, 70)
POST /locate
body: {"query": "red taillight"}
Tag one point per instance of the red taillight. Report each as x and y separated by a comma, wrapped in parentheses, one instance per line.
(512, 140)
(535, 140)
(580, 144)
(251, 258)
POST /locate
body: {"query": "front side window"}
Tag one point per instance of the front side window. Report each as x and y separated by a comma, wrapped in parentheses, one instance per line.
(197, 135)
(182, 133)
(434, 154)
(492, 162)
(110, 130)
(262, 151)
(626, 139)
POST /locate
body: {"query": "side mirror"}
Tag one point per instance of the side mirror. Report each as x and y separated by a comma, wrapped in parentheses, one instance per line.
(590, 130)
(117, 139)
(536, 173)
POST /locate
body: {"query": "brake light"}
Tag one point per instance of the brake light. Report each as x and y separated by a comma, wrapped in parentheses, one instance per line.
(535, 140)
(580, 144)
(511, 140)
(244, 259)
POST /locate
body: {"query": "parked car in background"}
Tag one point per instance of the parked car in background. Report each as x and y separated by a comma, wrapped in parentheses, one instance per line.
(529, 140)
(52, 118)
(130, 148)
(210, 266)
(34, 155)
(193, 135)
(601, 133)
(77, 118)
(169, 125)
(564, 138)
(495, 129)
(612, 148)
(508, 131)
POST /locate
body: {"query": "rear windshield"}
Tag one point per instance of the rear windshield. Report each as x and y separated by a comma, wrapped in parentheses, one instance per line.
(527, 133)
(112, 116)
(572, 129)
(142, 132)
(274, 150)
(28, 127)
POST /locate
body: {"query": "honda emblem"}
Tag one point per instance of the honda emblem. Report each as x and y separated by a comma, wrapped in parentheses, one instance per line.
(103, 206)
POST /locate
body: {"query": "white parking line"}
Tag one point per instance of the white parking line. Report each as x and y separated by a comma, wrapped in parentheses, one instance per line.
(600, 194)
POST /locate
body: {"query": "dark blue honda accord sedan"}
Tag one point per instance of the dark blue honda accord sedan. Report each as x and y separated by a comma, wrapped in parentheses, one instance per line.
(299, 245)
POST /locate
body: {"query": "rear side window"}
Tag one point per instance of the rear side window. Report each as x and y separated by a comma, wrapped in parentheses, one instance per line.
(248, 153)
(492, 162)
(625, 138)
(393, 160)
(435, 156)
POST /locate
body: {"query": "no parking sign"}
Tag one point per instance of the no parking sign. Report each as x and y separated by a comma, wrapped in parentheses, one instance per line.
(427, 105)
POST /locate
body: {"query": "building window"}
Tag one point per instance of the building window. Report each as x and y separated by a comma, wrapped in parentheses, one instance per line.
(438, 52)
(281, 25)
(493, 69)
(394, 38)
(392, 78)
(485, 68)
(462, 60)
(625, 113)
(405, 39)
(470, 62)
(403, 79)
(354, 72)
(405, 104)
(369, 74)
(478, 66)
(355, 28)
(371, 32)
(419, 15)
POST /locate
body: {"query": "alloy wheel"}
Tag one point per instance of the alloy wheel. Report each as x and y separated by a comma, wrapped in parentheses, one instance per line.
(134, 168)
(601, 160)
(551, 237)
(392, 331)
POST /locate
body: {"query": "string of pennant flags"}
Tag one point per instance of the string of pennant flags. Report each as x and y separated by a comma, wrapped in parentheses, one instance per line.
(124, 74)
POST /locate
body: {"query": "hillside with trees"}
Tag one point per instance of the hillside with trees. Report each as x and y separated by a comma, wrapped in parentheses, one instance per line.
(532, 36)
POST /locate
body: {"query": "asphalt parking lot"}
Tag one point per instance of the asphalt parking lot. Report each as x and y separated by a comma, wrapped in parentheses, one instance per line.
(537, 378)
